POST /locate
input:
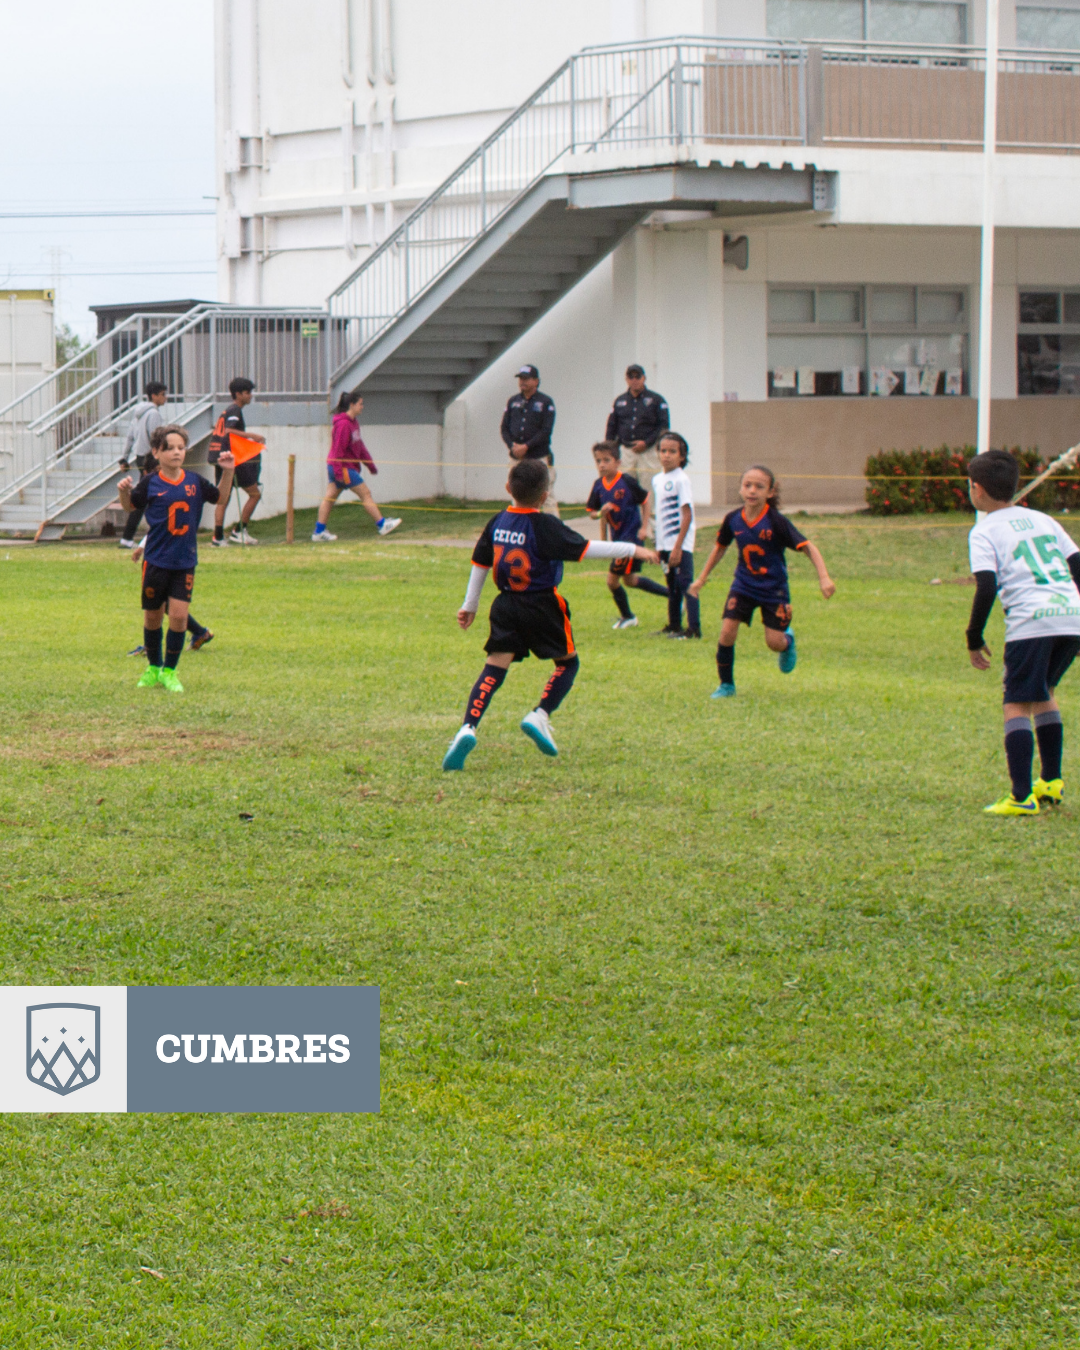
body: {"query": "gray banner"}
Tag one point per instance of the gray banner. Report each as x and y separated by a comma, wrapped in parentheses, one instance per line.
(244, 1048)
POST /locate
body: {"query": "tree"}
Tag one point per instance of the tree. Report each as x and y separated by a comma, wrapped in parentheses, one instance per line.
(68, 344)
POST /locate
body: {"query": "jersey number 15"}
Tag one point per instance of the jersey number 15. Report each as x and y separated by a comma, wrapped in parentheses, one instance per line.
(1052, 558)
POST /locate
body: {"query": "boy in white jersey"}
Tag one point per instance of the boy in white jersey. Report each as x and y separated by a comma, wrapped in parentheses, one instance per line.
(674, 500)
(1029, 560)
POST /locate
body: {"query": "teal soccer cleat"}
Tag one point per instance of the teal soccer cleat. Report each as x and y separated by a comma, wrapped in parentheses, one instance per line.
(461, 747)
(787, 658)
(723, 691)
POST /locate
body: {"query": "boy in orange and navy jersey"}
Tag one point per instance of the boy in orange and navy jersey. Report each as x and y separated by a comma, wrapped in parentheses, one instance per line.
(173, 500)
(617, 500)
(524, 549)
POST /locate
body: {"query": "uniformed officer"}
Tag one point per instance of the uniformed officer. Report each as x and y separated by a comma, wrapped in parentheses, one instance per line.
(636, 422)
(527, 425)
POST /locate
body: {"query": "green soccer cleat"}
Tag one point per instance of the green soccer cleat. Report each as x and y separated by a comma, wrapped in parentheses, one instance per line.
(1050, 792)
(168, 679)
(150, 678)
(1009, 806)
(787, 658)
(723, 691)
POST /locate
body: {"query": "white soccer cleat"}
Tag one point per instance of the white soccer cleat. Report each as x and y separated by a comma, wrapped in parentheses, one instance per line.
(389, 526)
(324, 537)
(241, 536)
(537, 726)
(461, 747)
(126, 543)
(631, 622)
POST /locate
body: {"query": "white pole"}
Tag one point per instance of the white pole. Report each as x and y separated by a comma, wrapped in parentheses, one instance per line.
(986, 272)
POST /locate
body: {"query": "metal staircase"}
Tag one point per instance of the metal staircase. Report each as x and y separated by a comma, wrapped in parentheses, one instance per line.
(598, 147)
(61, 441)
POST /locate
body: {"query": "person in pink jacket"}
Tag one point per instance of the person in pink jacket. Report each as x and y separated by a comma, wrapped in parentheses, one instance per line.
(347, 453)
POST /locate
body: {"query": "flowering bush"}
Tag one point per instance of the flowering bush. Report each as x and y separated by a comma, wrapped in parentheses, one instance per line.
(901, 483)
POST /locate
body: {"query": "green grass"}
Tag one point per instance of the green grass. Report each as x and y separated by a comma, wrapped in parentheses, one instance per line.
(736, 1025)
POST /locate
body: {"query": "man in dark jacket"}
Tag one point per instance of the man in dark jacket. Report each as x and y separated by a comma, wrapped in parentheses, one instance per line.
(636, 422)
(527, 425)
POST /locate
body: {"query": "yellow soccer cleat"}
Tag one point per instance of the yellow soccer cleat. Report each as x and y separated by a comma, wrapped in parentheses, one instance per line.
(1009, 806)
(1051, 793)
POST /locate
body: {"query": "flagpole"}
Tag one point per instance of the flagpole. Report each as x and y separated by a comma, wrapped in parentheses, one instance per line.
(986, 270)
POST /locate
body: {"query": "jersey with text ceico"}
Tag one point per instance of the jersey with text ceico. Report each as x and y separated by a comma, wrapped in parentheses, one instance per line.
(1027, 551)
(761, 572)
(626, 495)
(173, 508)
(526, 549)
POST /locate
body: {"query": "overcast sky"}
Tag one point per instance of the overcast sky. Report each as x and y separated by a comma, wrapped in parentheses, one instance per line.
(107, 105)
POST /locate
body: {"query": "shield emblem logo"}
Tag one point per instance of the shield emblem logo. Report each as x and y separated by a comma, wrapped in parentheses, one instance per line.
(62, 1045)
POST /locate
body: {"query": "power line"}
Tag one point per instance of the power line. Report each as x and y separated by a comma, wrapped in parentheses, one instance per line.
(82, 215)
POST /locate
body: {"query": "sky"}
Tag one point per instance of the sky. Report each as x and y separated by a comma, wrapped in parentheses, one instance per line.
(107, 105)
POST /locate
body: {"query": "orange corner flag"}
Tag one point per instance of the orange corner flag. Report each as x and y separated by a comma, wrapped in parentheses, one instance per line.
(244, 449)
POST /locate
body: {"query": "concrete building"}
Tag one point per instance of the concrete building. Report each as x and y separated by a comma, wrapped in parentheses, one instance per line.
(27, 341)
(807, 331)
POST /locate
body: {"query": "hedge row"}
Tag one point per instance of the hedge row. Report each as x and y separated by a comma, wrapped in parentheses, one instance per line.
(902, 483)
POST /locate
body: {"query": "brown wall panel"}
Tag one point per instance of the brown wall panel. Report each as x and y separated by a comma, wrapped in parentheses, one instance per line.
(818, 446)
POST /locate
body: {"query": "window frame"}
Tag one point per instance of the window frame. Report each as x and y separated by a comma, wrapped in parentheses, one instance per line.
(868, 328)
(963, 5)
(1060, 329)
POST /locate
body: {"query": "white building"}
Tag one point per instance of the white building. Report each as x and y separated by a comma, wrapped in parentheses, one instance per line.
(847, 320)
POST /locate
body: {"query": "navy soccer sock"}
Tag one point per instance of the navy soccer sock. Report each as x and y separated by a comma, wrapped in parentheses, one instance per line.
(651, 587)
(725, 663)
(1050, 734)
(483, 691)
(174, 645)
(560, 684)
(622, 602)
(1019, 751)
(152, 642)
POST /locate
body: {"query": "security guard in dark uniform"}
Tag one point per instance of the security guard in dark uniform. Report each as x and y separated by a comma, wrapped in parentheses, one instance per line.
(636, 422)
(527, 425)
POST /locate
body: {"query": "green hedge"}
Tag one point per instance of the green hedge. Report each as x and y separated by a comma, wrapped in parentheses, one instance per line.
(903, 483)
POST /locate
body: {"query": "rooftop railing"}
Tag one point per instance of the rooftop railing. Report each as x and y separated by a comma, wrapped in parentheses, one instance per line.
(654, 95)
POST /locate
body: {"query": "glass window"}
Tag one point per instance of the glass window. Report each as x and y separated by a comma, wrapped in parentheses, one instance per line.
(826, 366)
(1039, 307)
(940, 306)
(791, 306)
(1071, 305)
(916, 21)
(837, 19)
(893, 306)
(1047, 27)
(839, 306)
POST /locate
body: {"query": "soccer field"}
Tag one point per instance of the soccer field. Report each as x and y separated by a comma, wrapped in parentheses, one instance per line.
(735, 1025)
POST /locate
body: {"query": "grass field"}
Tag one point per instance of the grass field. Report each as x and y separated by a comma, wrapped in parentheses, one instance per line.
(736, 1025)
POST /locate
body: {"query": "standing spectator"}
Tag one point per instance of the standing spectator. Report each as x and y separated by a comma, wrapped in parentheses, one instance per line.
(527, 425)
(246, 475)
(636, 423)
(145, 420)
(347, 453)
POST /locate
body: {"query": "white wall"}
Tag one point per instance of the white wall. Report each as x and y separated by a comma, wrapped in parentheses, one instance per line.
(27, 341)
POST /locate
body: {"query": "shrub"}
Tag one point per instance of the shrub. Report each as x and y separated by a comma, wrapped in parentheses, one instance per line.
(901, 483)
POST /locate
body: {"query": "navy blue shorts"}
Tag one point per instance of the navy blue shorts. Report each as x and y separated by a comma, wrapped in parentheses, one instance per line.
(1034, 666)
(344, 476)
(775, 614)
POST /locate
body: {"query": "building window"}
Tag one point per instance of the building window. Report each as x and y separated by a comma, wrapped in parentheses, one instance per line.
(1055, 25)
(843, 341)
(1048, 343)
(923, 22)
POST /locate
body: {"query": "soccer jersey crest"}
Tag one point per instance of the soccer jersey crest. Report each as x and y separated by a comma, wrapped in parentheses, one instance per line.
(62, 1045)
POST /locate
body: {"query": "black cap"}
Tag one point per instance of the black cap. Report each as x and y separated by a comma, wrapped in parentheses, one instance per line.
(528, 373)
(635, 373)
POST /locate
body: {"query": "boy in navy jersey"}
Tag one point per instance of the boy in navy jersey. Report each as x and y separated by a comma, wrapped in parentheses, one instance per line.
(173, 500)
(761, 535)
(525, 550)
(617, 500)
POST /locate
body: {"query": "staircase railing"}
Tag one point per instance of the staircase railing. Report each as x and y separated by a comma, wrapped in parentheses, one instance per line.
(289, 353)
(650, 95)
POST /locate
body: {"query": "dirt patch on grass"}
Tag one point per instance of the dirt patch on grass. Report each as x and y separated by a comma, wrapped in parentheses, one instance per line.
(104, 747)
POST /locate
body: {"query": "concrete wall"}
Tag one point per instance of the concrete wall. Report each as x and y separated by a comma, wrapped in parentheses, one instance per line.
(27, 341)
(818, 446)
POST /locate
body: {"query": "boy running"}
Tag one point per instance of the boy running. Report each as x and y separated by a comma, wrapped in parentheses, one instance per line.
(173, 500)
(247, 474)
(1029, 560)
(762, 535)
(616, 500)
(526, 549)
(675, 530)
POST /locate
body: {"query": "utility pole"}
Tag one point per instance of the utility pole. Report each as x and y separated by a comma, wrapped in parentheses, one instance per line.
(986, 271)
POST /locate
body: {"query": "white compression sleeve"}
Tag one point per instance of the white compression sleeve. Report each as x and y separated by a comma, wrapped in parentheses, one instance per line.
(608, 548)
(476, 584)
